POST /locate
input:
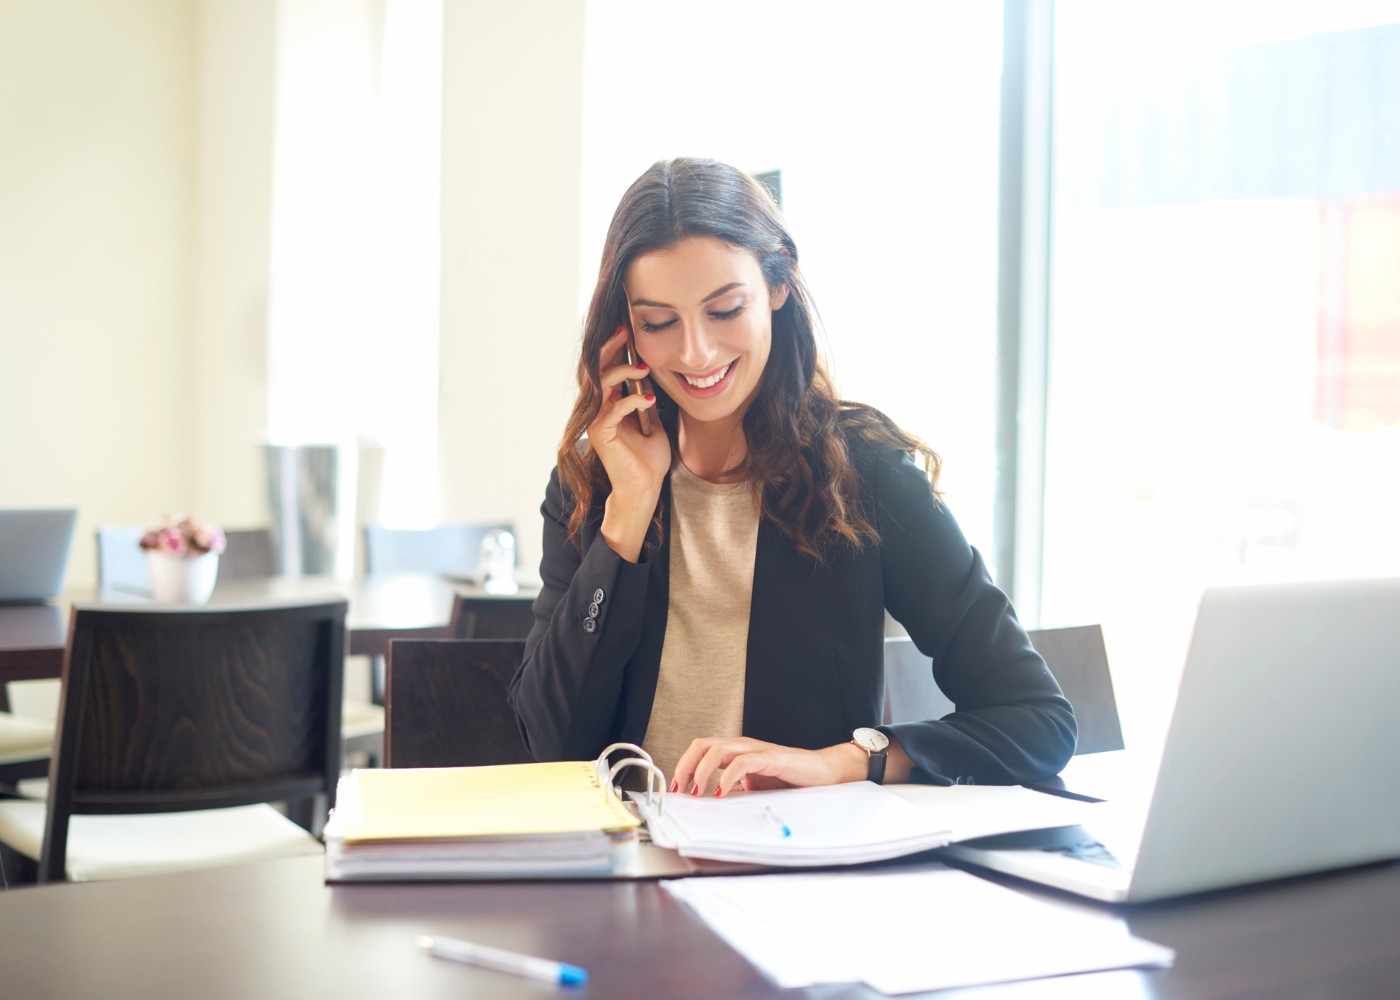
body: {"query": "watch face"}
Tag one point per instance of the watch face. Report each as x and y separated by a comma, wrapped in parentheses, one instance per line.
(871, 739)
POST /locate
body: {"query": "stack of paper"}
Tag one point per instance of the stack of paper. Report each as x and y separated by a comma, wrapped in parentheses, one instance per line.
(506, 821)
(846, 824)
(922, 929)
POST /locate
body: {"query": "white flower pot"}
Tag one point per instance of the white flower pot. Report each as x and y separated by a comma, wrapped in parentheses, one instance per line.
(177, 580)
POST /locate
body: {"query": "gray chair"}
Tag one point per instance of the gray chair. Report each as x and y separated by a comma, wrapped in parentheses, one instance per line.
(121, 562)
(452, 549)
(1076, 656)
(249, 554)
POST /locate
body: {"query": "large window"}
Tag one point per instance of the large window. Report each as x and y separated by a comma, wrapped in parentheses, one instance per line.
(1224, 373)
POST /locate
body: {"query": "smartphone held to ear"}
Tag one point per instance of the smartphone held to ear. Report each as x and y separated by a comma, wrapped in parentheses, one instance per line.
(637, 386)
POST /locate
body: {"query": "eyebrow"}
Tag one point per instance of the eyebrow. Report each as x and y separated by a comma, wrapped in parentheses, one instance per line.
(713, 295)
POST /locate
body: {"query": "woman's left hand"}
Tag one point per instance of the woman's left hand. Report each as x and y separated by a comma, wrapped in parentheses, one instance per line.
(749, 764)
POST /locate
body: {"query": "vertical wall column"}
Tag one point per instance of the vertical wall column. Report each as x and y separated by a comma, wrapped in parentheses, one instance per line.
(512, 132)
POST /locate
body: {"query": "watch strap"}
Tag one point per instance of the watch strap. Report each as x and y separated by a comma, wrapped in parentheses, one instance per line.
(876, 773)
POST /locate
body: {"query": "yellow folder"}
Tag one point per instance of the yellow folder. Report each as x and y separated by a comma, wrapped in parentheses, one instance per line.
(505, 800)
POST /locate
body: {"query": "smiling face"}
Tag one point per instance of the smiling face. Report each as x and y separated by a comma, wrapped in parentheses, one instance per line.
(702, 315)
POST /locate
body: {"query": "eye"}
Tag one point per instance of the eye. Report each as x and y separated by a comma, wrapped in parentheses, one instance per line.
(728, 313)
(656, 327)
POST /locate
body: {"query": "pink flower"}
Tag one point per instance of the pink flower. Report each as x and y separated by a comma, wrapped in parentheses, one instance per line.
(187, 539)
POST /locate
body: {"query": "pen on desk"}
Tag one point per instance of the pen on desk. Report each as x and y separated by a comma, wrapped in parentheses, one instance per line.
(768, 811)
(503, 961)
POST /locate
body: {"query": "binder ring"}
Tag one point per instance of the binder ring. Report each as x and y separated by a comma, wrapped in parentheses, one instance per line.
(636, 751)
(656, 781)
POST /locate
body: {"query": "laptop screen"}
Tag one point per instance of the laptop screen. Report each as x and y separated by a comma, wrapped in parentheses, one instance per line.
(34, 544)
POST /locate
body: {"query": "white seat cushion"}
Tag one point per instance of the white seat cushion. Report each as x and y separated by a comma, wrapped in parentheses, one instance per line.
(108, 847)
(361, 718)
(24, 739)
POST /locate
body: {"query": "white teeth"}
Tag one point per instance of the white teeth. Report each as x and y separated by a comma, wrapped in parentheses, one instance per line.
(705, 383)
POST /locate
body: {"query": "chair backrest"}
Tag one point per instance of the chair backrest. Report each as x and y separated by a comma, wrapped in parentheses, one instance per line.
(170, 710)
(121, 562)
(485, 616)
(446, 704)
(249, 554)
(1079, 661)
(1076, 656)
(454, 549)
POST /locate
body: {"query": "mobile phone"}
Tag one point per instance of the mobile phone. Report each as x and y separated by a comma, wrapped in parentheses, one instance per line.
(637, 386)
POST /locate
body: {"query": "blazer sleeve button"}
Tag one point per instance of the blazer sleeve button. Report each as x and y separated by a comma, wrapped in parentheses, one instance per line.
(590, 625)
(598, 596)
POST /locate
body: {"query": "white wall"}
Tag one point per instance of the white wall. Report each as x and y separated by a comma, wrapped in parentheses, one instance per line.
(510, 254)
(137, 200)
(232, 262)
(97, 187)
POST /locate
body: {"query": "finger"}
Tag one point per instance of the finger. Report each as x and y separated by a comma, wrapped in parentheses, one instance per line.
(613, 413)
(741, 769)
(685, 767)
(719, 756)
(612, 348)
(618, 374)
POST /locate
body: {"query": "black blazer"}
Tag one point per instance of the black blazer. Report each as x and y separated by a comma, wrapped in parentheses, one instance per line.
(815, 666)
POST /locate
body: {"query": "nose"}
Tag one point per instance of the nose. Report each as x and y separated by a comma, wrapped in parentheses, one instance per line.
(697, 348)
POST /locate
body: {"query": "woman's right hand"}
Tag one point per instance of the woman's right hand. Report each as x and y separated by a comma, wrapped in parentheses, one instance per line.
(636, 463)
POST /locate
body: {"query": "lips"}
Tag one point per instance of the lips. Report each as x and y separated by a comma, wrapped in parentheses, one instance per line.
(711, 384)
(713, 378)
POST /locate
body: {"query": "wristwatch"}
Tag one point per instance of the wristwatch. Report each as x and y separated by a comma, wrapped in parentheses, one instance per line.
(874, 743)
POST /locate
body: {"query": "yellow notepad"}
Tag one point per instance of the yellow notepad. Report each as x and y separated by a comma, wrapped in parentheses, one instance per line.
(506, 800)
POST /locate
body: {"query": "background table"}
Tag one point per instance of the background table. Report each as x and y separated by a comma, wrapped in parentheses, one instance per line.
(274, 930)
(392, 606)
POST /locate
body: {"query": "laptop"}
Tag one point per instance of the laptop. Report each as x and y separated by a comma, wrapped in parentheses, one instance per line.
(34, 545)
(1280, 758)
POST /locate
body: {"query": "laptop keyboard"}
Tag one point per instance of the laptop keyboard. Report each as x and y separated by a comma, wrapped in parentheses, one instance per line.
(1094, 853)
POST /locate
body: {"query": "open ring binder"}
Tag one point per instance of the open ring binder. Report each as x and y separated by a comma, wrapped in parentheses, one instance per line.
(656, 781)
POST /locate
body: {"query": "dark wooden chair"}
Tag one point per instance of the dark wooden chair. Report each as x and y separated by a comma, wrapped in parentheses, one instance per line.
(476, 616)
(1076, 656)
(447, 706)
(251, 553)
(196, 719)
(486, 616)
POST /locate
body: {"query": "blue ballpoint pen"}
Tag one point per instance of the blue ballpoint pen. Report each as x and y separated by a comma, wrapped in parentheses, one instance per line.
(787, 830)
(504, 961)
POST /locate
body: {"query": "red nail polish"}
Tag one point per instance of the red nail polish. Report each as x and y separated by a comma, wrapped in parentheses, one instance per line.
(694, 789)
(619, 331)
(675, 786)
(649, 396)
(643, 366)
(717, 793)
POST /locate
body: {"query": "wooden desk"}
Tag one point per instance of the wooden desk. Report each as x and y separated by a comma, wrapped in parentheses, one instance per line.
(274, 930)
(392, 606)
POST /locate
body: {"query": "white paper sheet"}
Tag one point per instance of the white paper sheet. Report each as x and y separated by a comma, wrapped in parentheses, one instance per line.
(906, 931)
(848, 823)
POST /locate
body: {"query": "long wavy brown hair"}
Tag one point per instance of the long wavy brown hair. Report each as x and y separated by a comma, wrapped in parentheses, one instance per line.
(797, 459)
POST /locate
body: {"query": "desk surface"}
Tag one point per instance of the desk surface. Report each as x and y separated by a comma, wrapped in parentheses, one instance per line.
(393, 606)
(274, 930)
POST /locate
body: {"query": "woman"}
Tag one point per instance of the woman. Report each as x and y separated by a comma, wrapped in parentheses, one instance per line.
(715, 590)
